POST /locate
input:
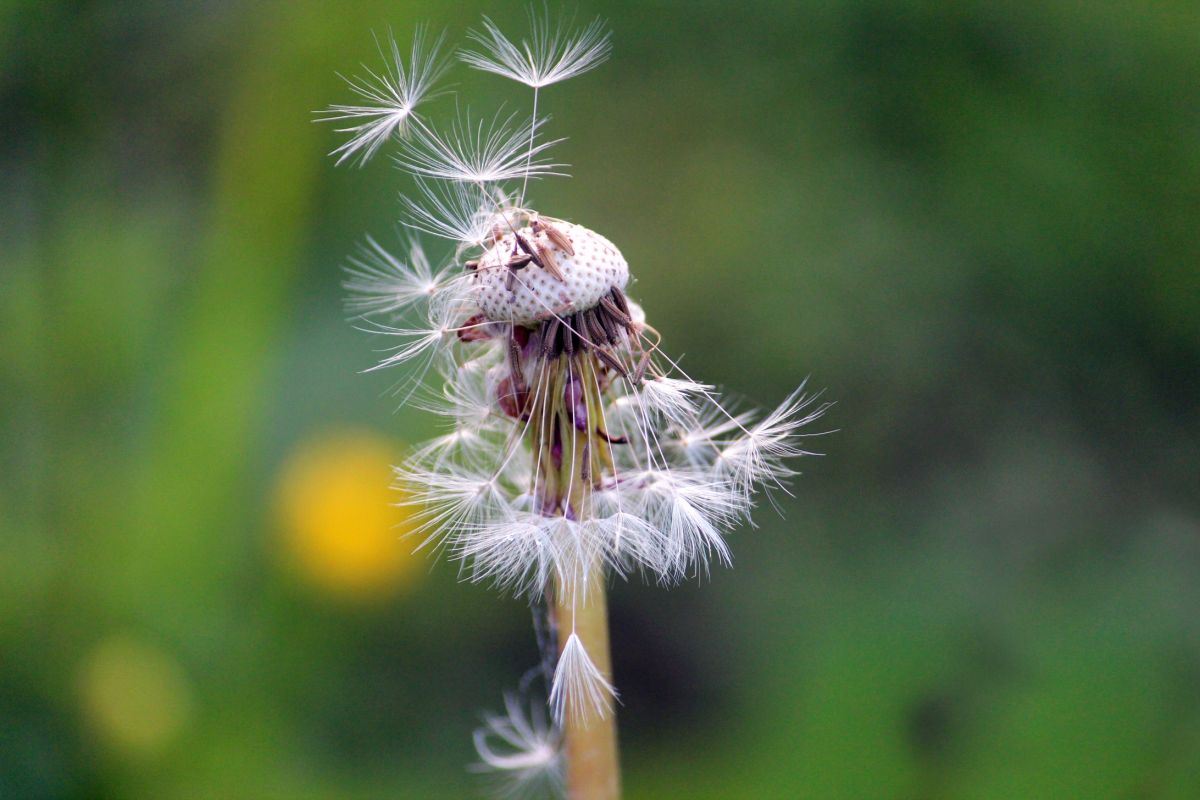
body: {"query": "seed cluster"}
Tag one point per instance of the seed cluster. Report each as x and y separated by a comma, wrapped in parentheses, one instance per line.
(595, 327)
(528, 275)
(600, 334)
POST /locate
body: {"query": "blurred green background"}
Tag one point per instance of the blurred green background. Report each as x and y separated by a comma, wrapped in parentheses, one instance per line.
(975, 224)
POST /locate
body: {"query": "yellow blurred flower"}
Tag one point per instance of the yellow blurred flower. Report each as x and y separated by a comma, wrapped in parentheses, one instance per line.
(136, 698)
(340, 527)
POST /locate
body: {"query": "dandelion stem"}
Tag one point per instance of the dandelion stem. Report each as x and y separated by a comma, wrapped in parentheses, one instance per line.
(591, 743)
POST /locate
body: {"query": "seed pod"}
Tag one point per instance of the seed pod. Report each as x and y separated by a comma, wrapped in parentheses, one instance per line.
(582, 279)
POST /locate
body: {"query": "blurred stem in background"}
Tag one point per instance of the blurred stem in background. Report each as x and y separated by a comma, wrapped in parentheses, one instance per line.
(203, 441)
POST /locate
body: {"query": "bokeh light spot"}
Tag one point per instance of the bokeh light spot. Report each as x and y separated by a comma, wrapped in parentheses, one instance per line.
(136, 698)
(341, 529)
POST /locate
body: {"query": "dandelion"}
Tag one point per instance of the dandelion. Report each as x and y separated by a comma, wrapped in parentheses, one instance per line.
(576, 448)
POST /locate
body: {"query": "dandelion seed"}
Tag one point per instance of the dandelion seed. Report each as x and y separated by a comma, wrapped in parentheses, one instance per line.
(480, 152)
(549, 55)
(391, 96)
(381, 283)
(521, 750)
(579, 687)
(760, 455)
(677, 400)
(460, 212)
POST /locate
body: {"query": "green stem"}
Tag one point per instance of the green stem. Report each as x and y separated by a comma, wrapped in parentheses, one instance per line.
(593, 771)
(564, 484)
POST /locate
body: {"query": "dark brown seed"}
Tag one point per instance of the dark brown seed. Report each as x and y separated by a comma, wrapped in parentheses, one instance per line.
(514, 361)
(611, 330)
(617, 313)
(552, 342)
(593, 328)
(549, 335)
(610, 323)
(519, 390)
(560, 341)
(569, 328)
(519, 262)
(558, 237)
(528, 248)
(611, 361)
(619, 298)
(472, 265)
(549, 264)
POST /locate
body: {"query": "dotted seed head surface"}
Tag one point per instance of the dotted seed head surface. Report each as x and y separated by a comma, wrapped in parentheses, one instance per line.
(536, 294)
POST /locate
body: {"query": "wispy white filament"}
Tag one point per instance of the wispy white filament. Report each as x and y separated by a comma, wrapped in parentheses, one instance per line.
(693, 513)
(549, 55)
(390, 96)
(579, 688)
(760, 455)
(460, 212)
(676, 399)
(457, 498)
(521, 749)
(480, 152)
(380, 282)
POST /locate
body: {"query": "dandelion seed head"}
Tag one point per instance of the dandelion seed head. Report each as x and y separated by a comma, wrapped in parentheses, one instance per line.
(536, 292)
(575, 447)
